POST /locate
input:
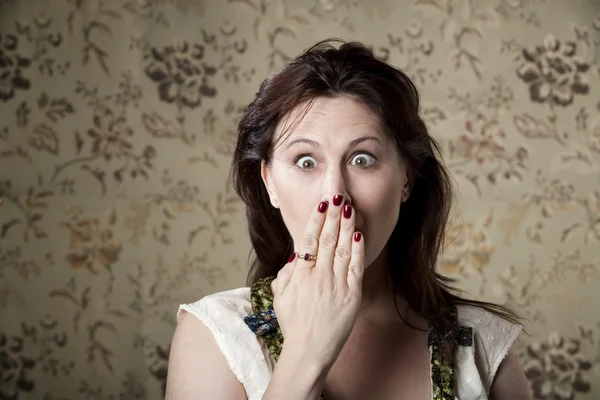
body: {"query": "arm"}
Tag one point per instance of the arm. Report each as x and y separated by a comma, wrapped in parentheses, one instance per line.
(198, 367)
(510, 382)
(296, 377)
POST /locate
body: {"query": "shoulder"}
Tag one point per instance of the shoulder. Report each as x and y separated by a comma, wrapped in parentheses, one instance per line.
(197, 365)
(493, 336)
(229, 304)
(223, 314)
(480, 319)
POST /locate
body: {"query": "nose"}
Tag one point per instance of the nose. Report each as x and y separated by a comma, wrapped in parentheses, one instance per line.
(335, 183)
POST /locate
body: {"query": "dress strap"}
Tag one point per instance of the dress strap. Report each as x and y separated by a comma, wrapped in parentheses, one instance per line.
(263, 321)
(442, 341)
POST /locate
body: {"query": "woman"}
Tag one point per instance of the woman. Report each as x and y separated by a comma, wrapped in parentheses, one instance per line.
(347, 206)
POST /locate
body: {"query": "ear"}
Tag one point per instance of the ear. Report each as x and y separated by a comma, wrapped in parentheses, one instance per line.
(407, 186)
(265, 174)
(405, 178)
(406, 191)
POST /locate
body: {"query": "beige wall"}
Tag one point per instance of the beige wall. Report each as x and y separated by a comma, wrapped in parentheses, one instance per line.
(113, 173)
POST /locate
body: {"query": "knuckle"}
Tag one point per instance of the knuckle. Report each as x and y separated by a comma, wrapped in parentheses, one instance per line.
(310, 241)
(327, 241)
(355, 268)
(348, 227)
(343, 253)
(281, 274)
(323, 284)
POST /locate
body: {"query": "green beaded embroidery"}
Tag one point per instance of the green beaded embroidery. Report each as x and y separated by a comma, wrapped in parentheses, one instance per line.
(261, 298)
(442, 367)
(442, 375)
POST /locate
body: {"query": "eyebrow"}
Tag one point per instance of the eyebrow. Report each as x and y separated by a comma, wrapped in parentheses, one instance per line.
(352, 143)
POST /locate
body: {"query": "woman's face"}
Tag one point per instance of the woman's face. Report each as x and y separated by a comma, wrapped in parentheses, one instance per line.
(337, 147)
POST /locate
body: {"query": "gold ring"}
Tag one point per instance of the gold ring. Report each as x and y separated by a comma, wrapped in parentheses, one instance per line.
(306, 256)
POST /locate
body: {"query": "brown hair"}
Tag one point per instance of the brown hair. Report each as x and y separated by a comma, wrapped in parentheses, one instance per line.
(415, 244)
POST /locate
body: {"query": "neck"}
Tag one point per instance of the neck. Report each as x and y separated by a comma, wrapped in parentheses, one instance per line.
(378, 297)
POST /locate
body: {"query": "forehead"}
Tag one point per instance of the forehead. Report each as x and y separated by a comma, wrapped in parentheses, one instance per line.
(326, 115)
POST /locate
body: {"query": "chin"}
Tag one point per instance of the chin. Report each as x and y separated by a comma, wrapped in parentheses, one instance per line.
(371, 258)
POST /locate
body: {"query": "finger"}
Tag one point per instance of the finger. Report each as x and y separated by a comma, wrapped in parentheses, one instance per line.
(356, 268)
(284, 275)
(343, 251)
(310, 241)
(329, 235)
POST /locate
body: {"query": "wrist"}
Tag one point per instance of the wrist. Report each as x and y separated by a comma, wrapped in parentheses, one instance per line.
(304, 363)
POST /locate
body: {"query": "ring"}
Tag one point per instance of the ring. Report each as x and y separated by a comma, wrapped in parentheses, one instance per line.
(306, 256)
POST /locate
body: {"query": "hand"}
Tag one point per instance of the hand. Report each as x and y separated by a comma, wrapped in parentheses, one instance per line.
(317, 302)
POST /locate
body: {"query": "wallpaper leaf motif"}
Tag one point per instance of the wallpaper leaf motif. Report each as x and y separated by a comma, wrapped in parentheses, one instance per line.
(13, 65)
(99, 26)
(118, 121)
(461, 23)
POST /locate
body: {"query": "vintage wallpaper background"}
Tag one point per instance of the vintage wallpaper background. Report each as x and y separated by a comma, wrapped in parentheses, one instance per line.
(117, 123)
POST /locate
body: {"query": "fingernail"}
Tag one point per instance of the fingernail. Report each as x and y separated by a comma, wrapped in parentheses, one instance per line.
(292, 257)
(323, 206)
(347, 211)
(357, 236)
(337, 199)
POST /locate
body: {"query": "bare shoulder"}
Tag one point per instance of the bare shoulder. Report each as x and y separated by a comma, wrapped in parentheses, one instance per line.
(197, 366)
(510, 382)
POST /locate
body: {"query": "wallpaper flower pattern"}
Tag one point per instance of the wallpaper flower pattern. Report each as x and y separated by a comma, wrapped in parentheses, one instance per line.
(117, 125)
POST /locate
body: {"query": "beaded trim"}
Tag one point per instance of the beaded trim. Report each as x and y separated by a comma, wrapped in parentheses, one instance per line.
(261, 298)
(263, 322)
(442, 367)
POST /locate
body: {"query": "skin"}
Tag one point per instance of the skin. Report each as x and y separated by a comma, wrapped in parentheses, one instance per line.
(359, 162)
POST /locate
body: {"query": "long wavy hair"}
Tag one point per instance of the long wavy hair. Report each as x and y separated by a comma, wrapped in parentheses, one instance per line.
(416, 243)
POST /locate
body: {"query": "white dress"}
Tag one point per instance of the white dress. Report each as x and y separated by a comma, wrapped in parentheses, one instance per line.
(249, 359)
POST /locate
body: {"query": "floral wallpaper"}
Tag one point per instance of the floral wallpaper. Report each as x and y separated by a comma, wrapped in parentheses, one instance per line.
(117, 125)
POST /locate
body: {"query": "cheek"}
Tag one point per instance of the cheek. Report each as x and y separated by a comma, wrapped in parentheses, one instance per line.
(298, 196)
(382, 203)
(296, 206)
(382, 216)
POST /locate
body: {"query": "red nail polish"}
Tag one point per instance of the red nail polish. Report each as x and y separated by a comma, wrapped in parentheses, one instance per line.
(292, 257)
(357, 236)
(323, 206)
(337, 199)
(347, 212)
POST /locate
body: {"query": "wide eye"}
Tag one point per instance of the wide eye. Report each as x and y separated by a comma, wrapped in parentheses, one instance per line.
(306, 162)
(363, 160)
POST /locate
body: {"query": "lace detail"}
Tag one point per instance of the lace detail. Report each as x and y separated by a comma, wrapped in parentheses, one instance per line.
(247, 357)
(493, 337)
